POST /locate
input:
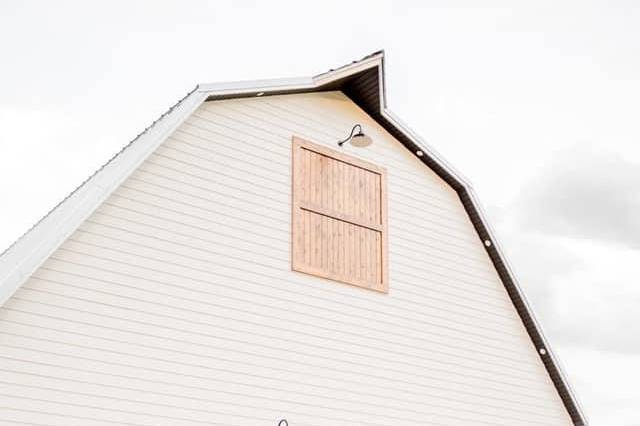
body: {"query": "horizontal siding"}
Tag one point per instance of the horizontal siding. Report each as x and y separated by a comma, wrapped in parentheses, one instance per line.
(174, 303)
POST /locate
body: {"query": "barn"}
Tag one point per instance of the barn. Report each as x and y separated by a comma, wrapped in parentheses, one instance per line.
(273, 252)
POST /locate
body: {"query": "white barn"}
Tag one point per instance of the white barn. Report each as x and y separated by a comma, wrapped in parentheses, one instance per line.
(234, 266)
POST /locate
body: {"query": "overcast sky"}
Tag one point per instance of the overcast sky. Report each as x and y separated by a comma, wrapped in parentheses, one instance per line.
(537, 103)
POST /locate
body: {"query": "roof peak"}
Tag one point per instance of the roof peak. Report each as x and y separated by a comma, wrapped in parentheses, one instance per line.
(268, 86)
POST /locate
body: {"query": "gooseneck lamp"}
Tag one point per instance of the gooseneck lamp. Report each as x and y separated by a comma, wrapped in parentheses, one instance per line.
(358, 139)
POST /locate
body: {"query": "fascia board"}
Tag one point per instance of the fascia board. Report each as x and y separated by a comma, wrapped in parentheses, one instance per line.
(245, 87)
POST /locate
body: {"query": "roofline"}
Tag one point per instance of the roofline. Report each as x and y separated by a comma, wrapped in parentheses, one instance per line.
(495, 242)
(22, 258)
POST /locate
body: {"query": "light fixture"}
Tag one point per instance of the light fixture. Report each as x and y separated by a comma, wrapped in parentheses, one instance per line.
(259, 93)
(419, 153)
(358, 139)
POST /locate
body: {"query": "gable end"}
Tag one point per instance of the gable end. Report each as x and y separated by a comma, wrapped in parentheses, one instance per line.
(363, 82)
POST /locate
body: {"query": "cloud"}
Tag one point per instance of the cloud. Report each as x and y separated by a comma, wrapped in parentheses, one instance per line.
(585, 194)
(595, 306)
(580, 290)
(573, 235)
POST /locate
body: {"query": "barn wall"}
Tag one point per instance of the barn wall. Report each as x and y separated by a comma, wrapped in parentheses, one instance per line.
(174, 303)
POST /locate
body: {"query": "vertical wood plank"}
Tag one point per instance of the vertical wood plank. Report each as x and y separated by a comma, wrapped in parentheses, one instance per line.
(295, 217)
(307, 196)
(384, 258)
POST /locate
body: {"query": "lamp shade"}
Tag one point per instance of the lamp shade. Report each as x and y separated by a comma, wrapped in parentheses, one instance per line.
(361, 140)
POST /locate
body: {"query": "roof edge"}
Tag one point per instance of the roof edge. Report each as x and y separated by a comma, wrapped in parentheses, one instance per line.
(541, 341)
(34, 247)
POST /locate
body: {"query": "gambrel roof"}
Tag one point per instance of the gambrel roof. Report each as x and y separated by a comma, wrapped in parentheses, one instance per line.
(363, 82)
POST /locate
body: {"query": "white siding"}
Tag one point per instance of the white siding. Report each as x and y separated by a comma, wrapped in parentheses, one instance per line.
(174, 304)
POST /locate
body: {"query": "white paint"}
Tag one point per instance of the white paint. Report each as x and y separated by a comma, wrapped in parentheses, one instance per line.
(174, 303)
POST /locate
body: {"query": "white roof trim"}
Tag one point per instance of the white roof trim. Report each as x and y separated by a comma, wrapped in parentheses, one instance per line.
(33, 248)
(21, 259)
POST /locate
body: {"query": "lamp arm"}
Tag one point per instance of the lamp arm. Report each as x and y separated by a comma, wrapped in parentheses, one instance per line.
(340, 143)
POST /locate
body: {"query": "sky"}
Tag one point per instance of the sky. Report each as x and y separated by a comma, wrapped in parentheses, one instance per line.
(536, 103)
